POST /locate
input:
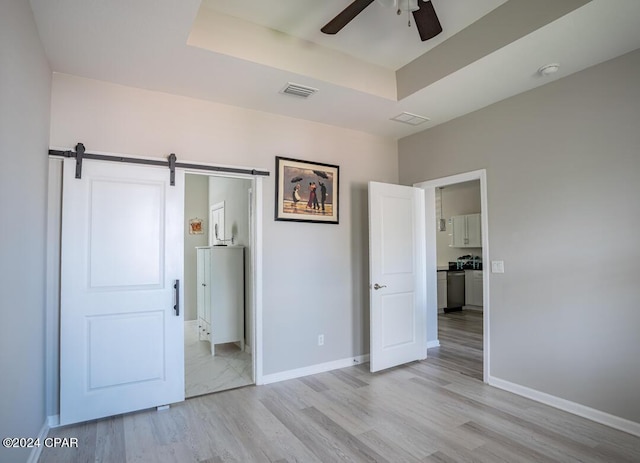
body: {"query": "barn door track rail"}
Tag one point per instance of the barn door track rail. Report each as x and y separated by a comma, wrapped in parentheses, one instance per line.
(80, 154)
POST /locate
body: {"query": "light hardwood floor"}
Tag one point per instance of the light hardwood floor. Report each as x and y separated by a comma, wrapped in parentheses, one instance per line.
(429, 411)
(460, 336)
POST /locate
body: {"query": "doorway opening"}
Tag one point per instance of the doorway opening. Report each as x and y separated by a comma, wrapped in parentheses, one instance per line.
(457, 282)
(218, 268)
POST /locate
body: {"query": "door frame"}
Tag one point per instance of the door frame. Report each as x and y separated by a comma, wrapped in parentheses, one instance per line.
(430, 187)
(52, 309)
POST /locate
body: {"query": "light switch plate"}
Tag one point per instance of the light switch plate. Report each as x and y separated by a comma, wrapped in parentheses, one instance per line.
(497, 266)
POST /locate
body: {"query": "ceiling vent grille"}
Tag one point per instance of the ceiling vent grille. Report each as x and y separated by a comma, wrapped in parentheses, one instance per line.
(298, 90)
(411, 119)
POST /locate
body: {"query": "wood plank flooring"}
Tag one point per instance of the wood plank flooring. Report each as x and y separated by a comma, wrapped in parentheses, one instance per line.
(430, 411)
(461, 348)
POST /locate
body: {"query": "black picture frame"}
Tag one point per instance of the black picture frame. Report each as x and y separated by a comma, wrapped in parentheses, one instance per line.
(307, 191)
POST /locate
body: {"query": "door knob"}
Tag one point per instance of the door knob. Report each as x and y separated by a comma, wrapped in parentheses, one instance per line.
(377, 286)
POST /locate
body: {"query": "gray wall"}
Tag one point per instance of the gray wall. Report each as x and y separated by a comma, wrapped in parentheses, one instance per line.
(315, 276)
(196, 204)
(562, 163)
(25, 92)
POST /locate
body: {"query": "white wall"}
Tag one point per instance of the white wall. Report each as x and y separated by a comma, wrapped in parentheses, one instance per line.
(315, 275)
(562, 166)
(196, 204)
(458, 199)
(25, 86)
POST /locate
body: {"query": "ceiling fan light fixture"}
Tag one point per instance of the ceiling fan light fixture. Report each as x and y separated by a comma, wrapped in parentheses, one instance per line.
(409, 5)
(424, 16)
(400, 5)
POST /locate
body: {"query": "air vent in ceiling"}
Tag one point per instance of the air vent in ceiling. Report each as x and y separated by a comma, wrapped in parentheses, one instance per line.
(411, 119)
(298, 90)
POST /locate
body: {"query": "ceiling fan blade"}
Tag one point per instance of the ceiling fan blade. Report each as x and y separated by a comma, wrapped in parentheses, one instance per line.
(345, 16)
(426, 21)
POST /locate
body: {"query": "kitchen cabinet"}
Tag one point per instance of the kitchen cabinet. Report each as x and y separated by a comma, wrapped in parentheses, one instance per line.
(466, 231)
(442, 290)
(220, 294)
(473, 289)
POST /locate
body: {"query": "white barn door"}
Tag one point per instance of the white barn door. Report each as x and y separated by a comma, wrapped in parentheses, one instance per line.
(121, 341)
(397, 255)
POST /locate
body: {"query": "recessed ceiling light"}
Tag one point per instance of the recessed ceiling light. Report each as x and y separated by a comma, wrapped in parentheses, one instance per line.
(409, 118)
(549, 69)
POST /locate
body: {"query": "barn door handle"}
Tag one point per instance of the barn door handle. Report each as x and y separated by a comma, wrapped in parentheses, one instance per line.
(176, 306)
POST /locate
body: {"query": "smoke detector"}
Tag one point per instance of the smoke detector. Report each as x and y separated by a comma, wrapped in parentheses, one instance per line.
(548, 69)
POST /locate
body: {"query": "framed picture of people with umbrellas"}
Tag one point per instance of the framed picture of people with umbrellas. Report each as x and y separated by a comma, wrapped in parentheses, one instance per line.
(307, 191)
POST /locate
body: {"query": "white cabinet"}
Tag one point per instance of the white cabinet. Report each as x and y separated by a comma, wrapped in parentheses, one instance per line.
(466, 231)
(220, 294)
(203, 293)
(442, 290)
(473, 287)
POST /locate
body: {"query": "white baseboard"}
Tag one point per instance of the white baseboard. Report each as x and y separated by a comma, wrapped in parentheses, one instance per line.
(431, 344)
(314, 369)
(36, 451)
(592, 414)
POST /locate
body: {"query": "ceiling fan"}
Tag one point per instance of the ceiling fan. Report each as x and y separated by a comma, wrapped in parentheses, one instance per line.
(424, 16)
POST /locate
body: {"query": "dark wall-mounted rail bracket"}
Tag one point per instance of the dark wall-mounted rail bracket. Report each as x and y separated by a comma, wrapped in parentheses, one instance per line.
(79, 156)
(171, 163)
(172, 169)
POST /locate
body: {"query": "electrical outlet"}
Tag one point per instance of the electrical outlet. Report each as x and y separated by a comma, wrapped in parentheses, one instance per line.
(321, 339)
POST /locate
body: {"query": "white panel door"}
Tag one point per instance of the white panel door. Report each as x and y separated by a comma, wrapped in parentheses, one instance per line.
(121, 340)
(397, 275)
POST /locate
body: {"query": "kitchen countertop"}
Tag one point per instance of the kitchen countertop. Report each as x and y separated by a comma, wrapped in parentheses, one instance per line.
(445, 268)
